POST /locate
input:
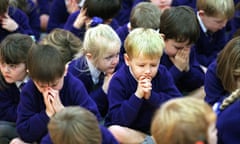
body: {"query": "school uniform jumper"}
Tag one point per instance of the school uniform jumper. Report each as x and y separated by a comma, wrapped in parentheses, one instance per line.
(126, 109)
(213, 86)
(79, 68)
(32, 119)
(185, 81)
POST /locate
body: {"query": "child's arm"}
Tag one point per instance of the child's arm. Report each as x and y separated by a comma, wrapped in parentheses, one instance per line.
(9, 24)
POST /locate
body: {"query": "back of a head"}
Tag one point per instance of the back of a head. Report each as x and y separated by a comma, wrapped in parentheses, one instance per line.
(146, 15)
(100, 39)
(228, 64)
(182, 121)
(180, 23)
(15, 47)
(74, 125)
(67, 43)
(105, 9)
(45, 63)
(217, 8)
(147, 42)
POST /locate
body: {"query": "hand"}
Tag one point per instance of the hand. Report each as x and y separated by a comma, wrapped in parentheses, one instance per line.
(181, 59)
(55, 100)
(106, 82)
(144, 87)
(48, 103)
(9, 24)
(81, 19)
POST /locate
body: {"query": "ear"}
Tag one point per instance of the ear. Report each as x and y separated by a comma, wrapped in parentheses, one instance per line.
(89, 56)
(201, 13)
(126, 59)
(66, 68)
(162, 35)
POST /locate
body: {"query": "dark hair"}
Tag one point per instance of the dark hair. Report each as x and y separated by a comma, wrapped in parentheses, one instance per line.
(13, 50)
(45, 63)
(3, 6)
(105, 9)
(180, 23)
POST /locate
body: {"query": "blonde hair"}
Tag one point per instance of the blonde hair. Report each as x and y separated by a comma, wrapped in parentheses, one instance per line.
(74, 125)
(217, 8)
(144, 41)
(230, 99)
(182, 121)
(66, 42)
(98, 40)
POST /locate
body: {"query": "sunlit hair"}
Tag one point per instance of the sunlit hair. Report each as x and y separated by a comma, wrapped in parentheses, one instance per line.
(228, 64)
(146, 15)
(147, 42)
(100, 39)
(180, 23)
(217, 8)
(182, 121)
(45, 64)
(74, 125)
(66, 42)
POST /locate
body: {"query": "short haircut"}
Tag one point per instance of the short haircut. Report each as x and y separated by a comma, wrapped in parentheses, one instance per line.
(105, 9)
(4, 6)
(100, 39)
(45, 64)
(182, 121)
(144, 41)
(15, 47)
(67, 43)
(146, 15)
(74, 125)
(217, 8)
(180, 23)
(228, 64)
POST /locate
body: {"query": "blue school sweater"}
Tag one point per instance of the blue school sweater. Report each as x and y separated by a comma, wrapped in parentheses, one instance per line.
(32, 119)
(126, 109)
(80, 32)
(21, 19)
(9, 99)
(228, 124)
(185, 81)
(43, 6)
(78, 68)
(208, 46)
(58, 15)
(213, 86)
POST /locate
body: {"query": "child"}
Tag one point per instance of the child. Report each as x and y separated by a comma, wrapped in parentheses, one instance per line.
(97, 63)
(67, 43)
(228, 119)
(92, 13)
(12, 20)
(13, 57)
(180, 29)
(223, 74)
(58, 15)
(212, 17)
(138, 88)
(76, 125)
(30, 9)
(184, 121)
(144, 14)
(49, 90)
